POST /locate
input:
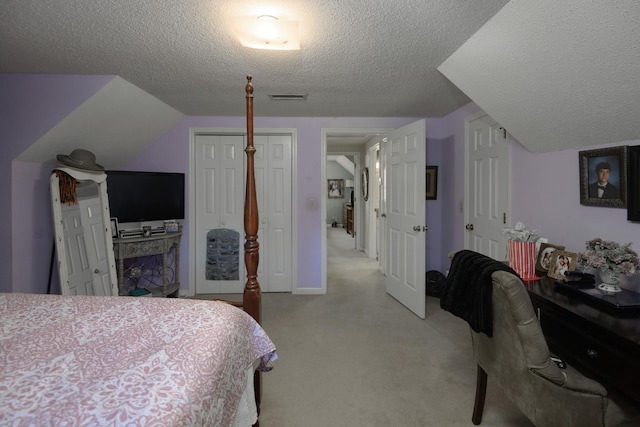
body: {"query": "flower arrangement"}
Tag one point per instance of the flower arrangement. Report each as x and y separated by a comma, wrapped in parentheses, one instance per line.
(604, 255)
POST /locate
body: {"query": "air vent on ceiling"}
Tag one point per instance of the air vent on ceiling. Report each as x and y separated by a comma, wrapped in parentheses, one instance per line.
(289, 97)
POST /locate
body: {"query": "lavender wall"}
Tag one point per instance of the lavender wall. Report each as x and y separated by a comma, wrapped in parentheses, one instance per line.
(545, 189)
(30, 105)
(545, 195)
(438, 212)
(171, 152)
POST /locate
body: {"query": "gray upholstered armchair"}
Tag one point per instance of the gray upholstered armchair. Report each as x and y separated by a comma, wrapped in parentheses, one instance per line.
(516, 357)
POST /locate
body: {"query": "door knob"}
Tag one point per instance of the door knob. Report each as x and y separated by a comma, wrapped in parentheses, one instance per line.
(384, 215)
(417, 228)
(96, 271)
(469, 227)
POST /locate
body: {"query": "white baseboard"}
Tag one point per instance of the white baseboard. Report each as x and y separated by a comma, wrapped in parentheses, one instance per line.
(308, 291)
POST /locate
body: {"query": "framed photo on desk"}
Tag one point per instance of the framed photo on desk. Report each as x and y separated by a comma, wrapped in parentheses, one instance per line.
(561, 262)
(544, 256)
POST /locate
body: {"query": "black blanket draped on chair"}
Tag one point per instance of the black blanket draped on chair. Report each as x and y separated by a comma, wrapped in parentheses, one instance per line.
(468, 289)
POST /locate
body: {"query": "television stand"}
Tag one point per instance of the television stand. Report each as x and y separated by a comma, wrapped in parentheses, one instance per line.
(159, 245)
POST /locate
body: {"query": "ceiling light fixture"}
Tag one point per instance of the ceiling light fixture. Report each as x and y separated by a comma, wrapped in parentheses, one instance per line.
(267, 32)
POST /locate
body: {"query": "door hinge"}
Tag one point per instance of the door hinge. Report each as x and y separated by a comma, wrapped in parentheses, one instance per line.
(504, 218)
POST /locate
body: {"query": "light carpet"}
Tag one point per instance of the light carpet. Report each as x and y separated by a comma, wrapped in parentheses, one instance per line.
(357, 357)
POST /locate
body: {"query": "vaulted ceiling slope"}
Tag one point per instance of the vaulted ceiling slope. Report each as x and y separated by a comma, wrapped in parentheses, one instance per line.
(116, 123)
(359, 58)
(556, 74)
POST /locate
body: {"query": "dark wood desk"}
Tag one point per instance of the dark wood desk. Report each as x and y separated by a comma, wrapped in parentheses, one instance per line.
(603, 346)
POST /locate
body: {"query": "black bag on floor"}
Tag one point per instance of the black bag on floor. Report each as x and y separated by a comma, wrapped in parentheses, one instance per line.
(435, 283)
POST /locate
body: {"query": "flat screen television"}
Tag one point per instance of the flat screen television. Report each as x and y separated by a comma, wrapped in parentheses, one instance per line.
(633, 184)
(145, 196)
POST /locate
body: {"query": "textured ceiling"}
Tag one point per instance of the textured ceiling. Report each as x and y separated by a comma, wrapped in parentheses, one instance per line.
(364, 58)
(556, 74)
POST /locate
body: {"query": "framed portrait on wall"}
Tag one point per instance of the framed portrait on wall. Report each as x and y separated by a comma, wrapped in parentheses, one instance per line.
(603, 177)
(432, 183)
(335, 188)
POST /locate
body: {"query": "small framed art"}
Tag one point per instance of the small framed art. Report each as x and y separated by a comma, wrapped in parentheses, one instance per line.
(603, 177)
(544, 256)
(561, 262)
(335, 188)
(432, 183)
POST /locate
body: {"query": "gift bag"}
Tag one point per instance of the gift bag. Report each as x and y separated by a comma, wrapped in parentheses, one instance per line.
(522, 258)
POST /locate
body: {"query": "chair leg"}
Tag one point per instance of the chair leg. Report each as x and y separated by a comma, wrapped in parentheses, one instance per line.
(481, 391)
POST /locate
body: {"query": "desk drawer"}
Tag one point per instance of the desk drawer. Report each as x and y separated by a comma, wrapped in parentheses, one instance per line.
(592, 351)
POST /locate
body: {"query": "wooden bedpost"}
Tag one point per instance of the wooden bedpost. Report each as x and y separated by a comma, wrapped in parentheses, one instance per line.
(251, 298)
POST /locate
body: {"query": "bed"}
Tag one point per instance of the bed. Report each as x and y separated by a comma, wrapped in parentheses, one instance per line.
(115, 361)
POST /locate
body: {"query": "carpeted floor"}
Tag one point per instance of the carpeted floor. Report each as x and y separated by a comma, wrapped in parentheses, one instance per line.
(357, 357)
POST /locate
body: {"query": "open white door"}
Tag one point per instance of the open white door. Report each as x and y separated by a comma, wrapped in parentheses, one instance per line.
(405, 211)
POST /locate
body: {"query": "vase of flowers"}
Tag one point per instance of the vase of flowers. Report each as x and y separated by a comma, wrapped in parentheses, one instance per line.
(612, 260)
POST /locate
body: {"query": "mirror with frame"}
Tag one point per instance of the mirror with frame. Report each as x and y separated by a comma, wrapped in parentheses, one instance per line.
(365, 183)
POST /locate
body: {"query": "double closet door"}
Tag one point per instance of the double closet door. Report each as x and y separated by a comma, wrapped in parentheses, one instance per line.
(220, 174)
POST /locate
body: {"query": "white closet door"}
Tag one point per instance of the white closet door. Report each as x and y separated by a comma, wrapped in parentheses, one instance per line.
(219, 191)
(273, 188)
(219, 203)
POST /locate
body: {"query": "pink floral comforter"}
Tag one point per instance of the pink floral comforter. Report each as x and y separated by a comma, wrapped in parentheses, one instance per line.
(124, 361)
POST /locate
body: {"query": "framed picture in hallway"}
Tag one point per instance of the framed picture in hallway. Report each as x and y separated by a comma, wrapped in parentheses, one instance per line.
(603, 177)
(432, 183)
(335, 188)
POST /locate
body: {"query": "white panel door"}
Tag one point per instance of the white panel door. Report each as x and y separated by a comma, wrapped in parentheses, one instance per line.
(95, 238)
(219, 203)
(85, 247)
(80, 277)
(405, 210)
(487, 186)
(273, 188)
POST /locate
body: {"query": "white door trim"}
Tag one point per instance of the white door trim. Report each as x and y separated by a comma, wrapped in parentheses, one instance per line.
(325, 132)
(374, 197)
(193, 131)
